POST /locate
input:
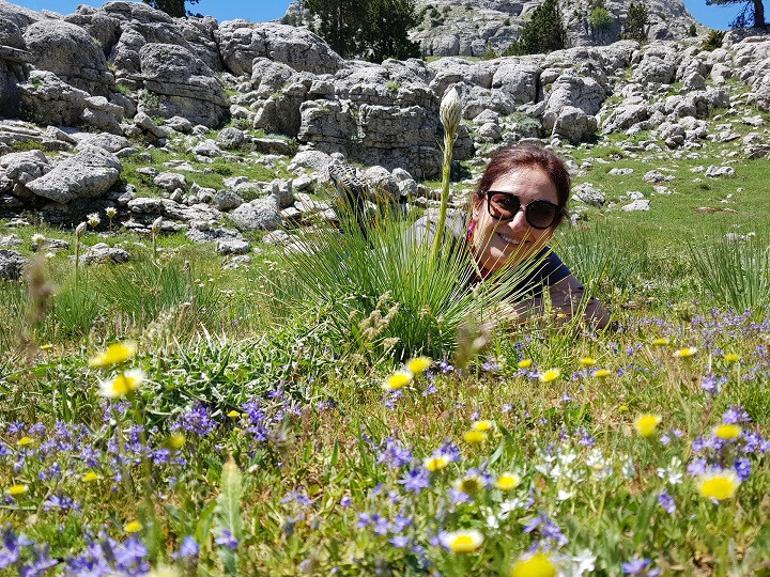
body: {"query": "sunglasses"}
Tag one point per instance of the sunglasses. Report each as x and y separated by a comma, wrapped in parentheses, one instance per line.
(540, 214)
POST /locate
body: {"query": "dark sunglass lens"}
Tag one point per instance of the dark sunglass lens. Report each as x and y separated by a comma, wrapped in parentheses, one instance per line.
(505, 205)
(541, 214)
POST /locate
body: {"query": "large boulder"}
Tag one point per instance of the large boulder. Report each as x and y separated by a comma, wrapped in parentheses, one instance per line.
(71, 53)
(47, 99)
(88, 174)
(574, 124)
(240, 42)
(19, 168)
(259, 214)
(658, 65)
(184, 84)
(13, 60)
(517, 80)
(573, 99)
(625, 116)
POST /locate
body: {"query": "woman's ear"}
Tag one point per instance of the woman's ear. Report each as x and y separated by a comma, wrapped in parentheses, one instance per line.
(476, 205)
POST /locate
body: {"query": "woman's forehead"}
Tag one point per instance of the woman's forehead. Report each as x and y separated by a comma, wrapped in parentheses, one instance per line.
(527, 183)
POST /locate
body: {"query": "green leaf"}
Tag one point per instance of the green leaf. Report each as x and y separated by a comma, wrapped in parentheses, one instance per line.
(228, 512)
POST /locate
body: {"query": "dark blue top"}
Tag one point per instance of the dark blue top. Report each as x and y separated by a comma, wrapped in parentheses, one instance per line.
(549, 272)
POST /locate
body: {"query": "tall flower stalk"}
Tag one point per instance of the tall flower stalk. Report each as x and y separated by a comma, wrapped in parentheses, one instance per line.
(155, 231)
(449, 112)
(80, 230)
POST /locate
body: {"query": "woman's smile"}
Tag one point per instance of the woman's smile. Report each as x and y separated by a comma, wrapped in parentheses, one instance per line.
(511, 240)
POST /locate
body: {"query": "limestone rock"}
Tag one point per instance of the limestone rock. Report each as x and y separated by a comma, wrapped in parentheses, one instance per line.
(88, 174)
(170, 181)
(717, 171)
(574, 124)
(636, 206)
(233, 246)
(231, 137)
(47, 99)
(588, 194)
(11, 264)
(259, 214)
(185, 85)
(71, 53)
(102, 253)
(240, 42)
(227, 200)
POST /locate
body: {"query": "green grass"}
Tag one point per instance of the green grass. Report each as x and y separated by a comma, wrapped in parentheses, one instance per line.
(266, 372)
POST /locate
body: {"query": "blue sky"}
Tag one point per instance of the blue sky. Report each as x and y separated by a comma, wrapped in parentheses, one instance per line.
(259, 10)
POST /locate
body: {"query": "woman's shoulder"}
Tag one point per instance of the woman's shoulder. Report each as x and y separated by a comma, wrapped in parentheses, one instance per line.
(424, 228)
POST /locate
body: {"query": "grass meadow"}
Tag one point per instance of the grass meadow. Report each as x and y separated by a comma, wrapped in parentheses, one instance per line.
(327, 414)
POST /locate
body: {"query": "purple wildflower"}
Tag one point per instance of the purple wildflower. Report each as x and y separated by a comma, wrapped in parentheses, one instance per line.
(416, 480)
(394, 454)
(639, 567)
(667, 502)
(226, 539)
(188, 549)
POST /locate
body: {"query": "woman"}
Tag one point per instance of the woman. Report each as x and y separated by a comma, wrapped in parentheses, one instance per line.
(515, 210)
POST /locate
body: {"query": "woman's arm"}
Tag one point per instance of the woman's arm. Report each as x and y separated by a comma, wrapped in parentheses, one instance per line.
(566, 296)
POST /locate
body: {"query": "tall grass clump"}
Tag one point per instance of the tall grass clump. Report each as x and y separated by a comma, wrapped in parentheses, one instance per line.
(735, 273)
(604, 255)
(383, 289)
(141, 290)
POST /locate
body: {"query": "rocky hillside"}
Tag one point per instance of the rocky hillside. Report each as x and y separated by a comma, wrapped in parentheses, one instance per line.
(474, 27)
(478, 27)
(193, 121)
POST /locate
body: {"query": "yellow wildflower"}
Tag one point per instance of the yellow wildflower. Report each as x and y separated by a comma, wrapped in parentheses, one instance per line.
(719, 485)
(587, 362)
(418, 365)
(46, 346)
(685, 353)
(508, 481)
(646, 424)
(123, 384)
(17, 490)
(25, 442)
(524, 363)
(731, 358)
(661, 342)
(398, 380)
(727, 431)
(475, 436)
(176, 441)
(132, 527)
(484, 425)
(233, 414)
(550, 375)
(115, 354)
(536, 565)
(469, 484)
(437, 463)
(466, 541)
(90, 477)
(601, 373)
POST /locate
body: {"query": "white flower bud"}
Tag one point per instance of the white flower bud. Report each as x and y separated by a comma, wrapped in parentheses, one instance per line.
(80, 229)
(110, 211)
(155, 227)
(451, 110)
(37, 240)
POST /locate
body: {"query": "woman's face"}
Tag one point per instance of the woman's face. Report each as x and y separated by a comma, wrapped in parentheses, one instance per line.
(499, 243)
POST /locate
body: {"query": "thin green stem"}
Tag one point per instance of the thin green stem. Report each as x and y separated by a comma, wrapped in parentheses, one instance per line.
(445, 174)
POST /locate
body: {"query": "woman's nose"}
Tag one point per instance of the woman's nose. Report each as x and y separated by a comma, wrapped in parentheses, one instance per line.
(519, 223)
